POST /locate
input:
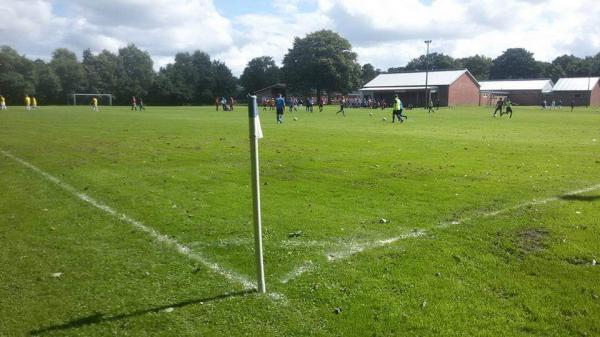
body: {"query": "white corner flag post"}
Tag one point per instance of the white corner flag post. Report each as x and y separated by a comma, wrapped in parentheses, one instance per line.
(255, 134)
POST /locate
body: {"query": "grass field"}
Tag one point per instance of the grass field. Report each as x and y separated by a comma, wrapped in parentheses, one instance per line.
(492, 225)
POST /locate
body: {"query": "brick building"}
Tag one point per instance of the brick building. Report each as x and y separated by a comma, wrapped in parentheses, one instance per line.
(448, 87)
(520, 92)
(583, 91)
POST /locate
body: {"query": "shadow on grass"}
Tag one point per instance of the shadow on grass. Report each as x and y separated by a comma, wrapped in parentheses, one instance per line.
(100, 317)
(574, 197)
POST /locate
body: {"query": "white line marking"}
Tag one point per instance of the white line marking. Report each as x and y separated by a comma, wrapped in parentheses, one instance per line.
(182, 249)
(295, 273)
(355, 247)
(533, 202)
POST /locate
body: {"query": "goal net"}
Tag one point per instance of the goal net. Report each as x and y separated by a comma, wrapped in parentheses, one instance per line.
(86, 99)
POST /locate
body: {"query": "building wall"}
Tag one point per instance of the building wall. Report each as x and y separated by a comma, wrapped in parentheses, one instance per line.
(464, 91)
(595, 100)
(414, 97)
(525, 97)
(579, 98)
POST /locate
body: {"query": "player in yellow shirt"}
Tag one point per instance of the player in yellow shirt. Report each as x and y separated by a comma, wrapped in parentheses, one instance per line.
(2, 103)
(94, 104)
(33, 103)
(27, 102)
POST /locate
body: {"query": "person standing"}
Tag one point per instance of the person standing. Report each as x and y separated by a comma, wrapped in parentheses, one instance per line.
(508, 105)
(499, 105)
(279, 107)
(342, 104)
(397, 110)
(217, 103)
(141, 104)
(321, 103)
(33, 103)
(290, 103)
(572, 105)
(430, 106)
(133, 103)
(94, 104)
(27, 102)
(3, 103)
(231, 101)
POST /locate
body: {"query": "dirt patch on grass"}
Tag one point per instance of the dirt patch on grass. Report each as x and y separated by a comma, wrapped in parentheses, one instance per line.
(532, 240)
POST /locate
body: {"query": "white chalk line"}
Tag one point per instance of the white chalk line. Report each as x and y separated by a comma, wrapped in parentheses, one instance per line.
(296, 272)
(350, 250)
(180, 248)
(358, 247)
(355, 248)
(533, 202)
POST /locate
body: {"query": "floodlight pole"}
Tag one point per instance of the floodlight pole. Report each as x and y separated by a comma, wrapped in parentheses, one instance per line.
(258, 246)
(427, 99)
(589, 100)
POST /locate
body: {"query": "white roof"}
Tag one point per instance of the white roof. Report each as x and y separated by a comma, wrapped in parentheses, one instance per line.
(422, 87)
(543, 85)
(416, 79)
(576, 84)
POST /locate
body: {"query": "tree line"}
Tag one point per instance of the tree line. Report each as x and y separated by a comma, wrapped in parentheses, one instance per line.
(514, 63)
(191, 79)
(321, 62)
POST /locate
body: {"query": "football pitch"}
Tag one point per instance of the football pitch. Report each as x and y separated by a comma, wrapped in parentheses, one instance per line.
(455, 223)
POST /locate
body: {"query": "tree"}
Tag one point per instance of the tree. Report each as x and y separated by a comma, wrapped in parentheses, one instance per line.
(479, 66)
(16, 75)
(595, 65)
(90, 69)
(135, 73)
(437, 61)
(224, 82)
(368, 73)
(69, 71)
(322, 60)
(515, 63)
(47, 83)
(394, 70)
(259, 73)
(107, 68)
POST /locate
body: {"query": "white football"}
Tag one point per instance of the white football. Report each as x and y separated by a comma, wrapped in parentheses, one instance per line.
(295, 118)
(384, 119)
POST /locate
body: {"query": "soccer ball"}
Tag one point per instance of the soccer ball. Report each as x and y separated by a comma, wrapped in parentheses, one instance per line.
(370, 114)
(384, 119)
(295, 118)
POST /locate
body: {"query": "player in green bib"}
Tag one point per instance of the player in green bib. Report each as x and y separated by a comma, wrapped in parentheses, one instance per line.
(508, 105)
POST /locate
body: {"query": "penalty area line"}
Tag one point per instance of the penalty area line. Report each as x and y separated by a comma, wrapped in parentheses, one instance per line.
(164, 239)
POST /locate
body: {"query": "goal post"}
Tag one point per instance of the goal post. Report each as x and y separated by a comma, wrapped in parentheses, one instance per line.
(109, 96)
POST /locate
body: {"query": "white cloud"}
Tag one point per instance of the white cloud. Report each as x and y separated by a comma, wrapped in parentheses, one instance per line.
(385, 33)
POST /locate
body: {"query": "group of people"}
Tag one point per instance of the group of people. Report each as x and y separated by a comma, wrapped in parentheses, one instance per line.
(137, 103)
(226, 104)
(556, 105)
(280, 104)
(504, 107)
(30, 103)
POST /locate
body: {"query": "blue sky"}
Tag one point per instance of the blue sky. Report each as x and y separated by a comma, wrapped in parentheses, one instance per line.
(385, 33)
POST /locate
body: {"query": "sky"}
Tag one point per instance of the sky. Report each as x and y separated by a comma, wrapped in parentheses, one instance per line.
(385, 33)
